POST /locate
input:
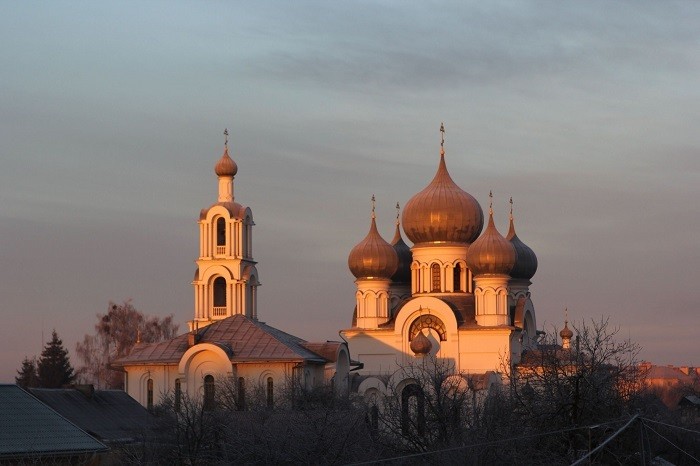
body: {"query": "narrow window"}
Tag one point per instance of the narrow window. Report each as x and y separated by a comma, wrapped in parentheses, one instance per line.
(209, 393)
(149, 394)
(435, 272)
(241, 394)
(270, 392)
(220, 296)
(457, 278)
(220, 231)
(178, 395)
(374, 418)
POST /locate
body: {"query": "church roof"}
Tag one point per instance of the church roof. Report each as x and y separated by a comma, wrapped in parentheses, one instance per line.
(244, 339)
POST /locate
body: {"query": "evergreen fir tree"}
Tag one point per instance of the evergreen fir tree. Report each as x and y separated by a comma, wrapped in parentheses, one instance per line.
(27, 376)
(54, 367)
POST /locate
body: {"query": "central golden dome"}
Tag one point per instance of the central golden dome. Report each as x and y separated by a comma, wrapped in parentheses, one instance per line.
(442, 212)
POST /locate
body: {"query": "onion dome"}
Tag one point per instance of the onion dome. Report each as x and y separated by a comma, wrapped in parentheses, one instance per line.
(526, 263)
(491, 253)
(403, 271)
(373, 257)
(421, 345)
(226, 166)
(566, 333)
(442, 212)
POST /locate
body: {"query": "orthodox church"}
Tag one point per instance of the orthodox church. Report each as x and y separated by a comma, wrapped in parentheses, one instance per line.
(459, 294)
(225, 338)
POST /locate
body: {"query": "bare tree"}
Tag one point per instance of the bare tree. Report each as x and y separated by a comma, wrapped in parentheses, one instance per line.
(116, 332)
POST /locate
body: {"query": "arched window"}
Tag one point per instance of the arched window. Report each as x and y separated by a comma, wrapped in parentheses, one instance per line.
(374, 418)
(270, 392)
(412, 410)
(178, 395)
(208, 393)
(457, 278)
(220, 232)
(220, 296)
(435, 273)
(149, 394)
(240, 403)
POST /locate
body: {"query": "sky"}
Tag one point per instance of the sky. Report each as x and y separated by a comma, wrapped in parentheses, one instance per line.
(112, 117)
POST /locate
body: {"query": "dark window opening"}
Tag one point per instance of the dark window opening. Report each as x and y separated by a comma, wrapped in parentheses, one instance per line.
(149, 394)
(208, 393)
(270, 392)
(178, 394)
(241, 394)
(435, 271)
(221, 232)
(412, 410)
(457, 278)
(220, 292)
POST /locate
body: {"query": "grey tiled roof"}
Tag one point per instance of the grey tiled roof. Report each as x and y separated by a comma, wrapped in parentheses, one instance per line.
(30, 428)
(245, 339)
(110, 415)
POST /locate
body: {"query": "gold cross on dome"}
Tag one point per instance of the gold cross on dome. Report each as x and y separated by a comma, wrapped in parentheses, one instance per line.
(226, 137)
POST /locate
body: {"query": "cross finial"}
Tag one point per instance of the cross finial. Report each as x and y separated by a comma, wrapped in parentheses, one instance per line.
(490, 202)
(398, 210)
(442, 138)
(511, 207)
(226, 137)
(373, 202)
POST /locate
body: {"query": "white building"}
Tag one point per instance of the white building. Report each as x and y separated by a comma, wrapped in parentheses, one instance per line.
(459, 294)
(225, 338)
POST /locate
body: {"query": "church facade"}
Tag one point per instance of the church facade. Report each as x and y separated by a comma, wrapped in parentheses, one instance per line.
(459, 294)
(225, 339)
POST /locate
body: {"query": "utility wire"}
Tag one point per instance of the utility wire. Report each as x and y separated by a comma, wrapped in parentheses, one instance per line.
(671, 425)
(493, 442)
(672, 444)
(608, 440)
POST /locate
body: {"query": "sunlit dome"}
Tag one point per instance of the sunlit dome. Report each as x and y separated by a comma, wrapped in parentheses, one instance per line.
(373, 257)
(226, 166)
(421, 345)
(442, 212)
(491, 253)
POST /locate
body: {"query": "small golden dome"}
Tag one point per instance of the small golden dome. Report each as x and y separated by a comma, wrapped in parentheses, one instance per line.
(373, 257)
(566, 332)
(491, 253)
(421, 345)
(226, 166)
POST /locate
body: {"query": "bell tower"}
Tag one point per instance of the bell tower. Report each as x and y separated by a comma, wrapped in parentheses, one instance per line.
(226, 279)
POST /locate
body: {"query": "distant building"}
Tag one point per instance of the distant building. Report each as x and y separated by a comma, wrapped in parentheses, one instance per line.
(671, 383)
(226, 339)
(459, 293)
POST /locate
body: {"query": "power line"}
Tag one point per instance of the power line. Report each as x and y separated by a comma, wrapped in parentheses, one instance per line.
(670, 425)
(608, 440)
(672, 444)
(493, 442)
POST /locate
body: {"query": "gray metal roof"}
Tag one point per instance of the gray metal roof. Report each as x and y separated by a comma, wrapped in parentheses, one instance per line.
(110, 415)
(28, 427)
